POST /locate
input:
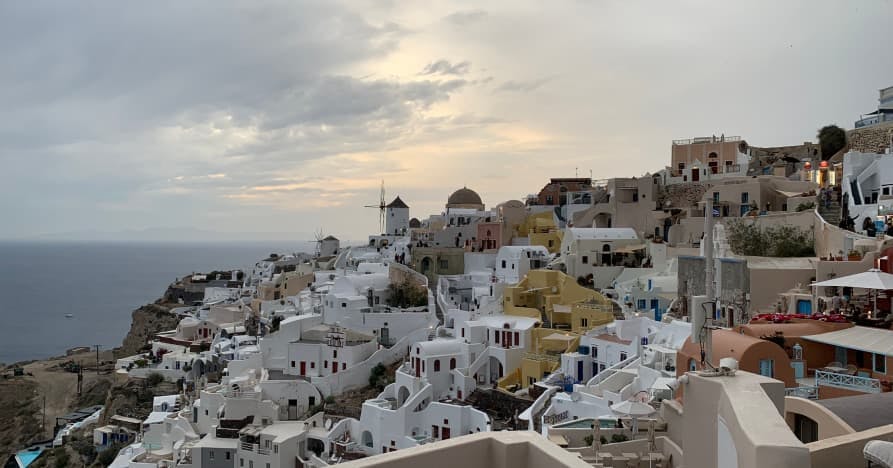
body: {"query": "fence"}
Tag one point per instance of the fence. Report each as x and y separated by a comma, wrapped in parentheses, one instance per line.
(851, 382)
(810, 393)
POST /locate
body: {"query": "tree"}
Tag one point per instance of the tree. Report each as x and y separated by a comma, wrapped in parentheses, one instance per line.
(831, 140)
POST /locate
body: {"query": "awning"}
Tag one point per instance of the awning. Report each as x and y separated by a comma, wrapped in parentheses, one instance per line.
(629, 248)
(866, 339)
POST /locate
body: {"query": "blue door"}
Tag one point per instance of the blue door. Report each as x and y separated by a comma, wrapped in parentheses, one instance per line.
(767, 367)
(804, 307)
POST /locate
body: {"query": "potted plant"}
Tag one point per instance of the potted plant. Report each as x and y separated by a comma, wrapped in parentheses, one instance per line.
(854, 255)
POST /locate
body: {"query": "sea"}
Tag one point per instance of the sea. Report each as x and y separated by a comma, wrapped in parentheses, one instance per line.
(99, 284)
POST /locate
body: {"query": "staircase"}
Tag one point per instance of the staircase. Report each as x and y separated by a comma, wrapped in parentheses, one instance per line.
(831, 214)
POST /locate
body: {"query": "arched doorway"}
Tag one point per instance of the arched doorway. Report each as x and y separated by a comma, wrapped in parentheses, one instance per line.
(402, 395)
(426, 264)
(606, 255)
(365, 439)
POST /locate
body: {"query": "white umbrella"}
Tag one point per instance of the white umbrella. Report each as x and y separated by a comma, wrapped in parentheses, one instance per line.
(634, 409)
(872, 279)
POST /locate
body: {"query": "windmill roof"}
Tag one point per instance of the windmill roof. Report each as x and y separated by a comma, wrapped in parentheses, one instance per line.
(330, 237)
(397, 203)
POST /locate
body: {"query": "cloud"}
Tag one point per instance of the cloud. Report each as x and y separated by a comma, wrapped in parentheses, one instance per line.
(523, 86)
(464, 18)
(444, 67)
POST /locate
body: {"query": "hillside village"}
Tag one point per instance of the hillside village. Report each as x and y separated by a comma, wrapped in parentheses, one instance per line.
(732, 305)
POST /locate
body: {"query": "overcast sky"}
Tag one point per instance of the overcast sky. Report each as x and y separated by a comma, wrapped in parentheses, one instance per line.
(284, 117)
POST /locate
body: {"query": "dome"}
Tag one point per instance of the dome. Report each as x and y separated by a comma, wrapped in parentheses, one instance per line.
(414, 223)
(464, 196)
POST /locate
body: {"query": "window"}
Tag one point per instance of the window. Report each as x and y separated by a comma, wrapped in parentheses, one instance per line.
(444, 264)
(880, 363)
(715, 197)
(503, 263)
(586, 259)
(228, 455)
(210, 454)
(886, 191)
(640, 304)
(745, 197)
(276, 448)
(497, 337)
(452, 363)
(343, 305)
(623, 356)
(692, 365)
(594, 352)
(335, 353)
(313, 364)
(551, 242)
(293, 363)
(343, 365)
(584, 323)
(517, 339)
(437, 365)
(241, 462)
(681, 166)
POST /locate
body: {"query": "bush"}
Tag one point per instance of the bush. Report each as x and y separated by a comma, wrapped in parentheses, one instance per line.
(378, 377)
(406, 294)
(588, 440)
(61, 457)
(107, 456)
(141, 363)
(154, 379)
(330, 399)
(747, 238)
(616, 438)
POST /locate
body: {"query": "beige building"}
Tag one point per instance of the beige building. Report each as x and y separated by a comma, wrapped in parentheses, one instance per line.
(741, 420)
(704, 158)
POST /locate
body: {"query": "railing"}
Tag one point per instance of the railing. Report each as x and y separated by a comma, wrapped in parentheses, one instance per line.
(243, 395)
(247, 446)
(852, 382)
(810, 393)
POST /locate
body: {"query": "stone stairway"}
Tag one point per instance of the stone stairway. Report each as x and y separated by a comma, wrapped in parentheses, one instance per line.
(831, 214)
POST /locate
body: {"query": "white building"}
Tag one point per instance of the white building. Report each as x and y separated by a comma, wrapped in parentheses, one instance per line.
(513, 262)
(601, 252)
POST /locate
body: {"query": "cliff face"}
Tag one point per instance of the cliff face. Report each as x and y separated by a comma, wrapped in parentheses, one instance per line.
(146, 322)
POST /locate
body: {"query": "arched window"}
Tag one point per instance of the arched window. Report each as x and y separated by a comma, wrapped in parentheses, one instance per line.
(452, 363)
(437, 365)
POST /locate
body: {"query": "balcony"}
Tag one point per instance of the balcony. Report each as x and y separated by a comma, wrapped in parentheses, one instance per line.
(846, 381)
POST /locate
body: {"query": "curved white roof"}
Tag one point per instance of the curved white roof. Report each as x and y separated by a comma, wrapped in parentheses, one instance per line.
(497, 321)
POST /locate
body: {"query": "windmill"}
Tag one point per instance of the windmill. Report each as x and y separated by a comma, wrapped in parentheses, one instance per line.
(319, 238)
(382, 207)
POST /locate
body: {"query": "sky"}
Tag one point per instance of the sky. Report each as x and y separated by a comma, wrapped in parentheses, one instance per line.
(280, 118)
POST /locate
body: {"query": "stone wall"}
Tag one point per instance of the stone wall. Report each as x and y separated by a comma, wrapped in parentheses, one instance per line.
(874, 139)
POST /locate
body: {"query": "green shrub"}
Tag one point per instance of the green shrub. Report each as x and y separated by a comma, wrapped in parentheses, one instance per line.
(330, 399)
(154, 379)
(616, 438)
(749, 239)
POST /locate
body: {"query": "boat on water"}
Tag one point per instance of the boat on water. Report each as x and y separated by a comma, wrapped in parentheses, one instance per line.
(69, 315)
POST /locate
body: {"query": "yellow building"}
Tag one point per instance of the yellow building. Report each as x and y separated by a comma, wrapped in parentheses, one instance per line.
(566, 309)
(540, 228)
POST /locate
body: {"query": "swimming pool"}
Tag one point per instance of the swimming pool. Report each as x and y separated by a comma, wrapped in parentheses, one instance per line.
(27, 457)
(587, 423)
